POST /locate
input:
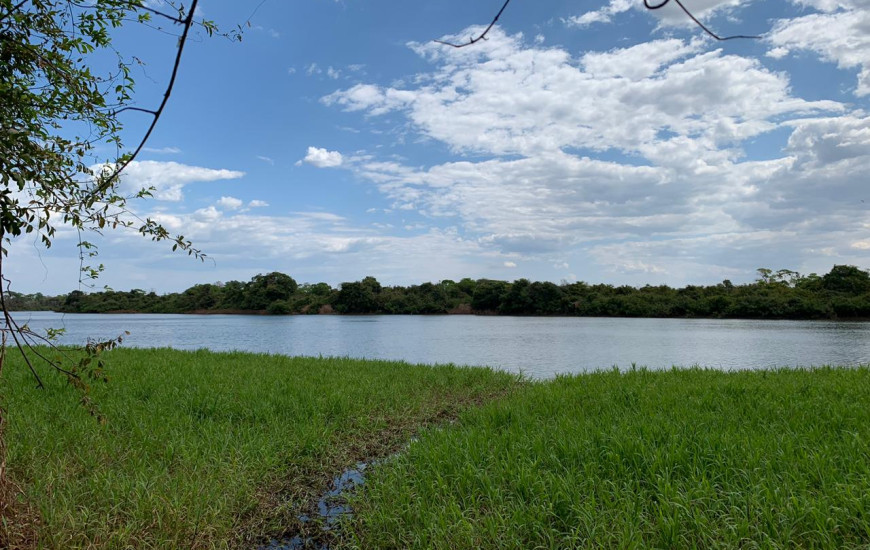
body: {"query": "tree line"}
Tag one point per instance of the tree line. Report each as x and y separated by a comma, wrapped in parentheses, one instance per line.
(843, 293)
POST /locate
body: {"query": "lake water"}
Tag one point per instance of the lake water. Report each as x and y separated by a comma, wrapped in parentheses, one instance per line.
(536, 346)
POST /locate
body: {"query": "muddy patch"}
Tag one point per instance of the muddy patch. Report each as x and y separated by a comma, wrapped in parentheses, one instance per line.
(331, 507)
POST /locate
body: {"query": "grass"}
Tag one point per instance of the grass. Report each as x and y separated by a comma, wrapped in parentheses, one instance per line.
(678, 459)
(210, 450)
(222, 450)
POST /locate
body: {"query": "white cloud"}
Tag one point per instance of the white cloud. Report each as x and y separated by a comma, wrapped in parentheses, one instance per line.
(322, 158)
(267, 160)
(507, 98)
(230, 203)
(169, 178)
(207, 215)
(366, 97)
(841, 37)
(162, 150)
(510, 264)
(602, 15)
(257, 204)
(669, 15)
(679, 195)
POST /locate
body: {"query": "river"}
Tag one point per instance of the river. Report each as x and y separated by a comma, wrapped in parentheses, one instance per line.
(540, 347)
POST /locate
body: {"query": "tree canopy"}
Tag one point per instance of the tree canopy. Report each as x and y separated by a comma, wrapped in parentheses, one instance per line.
(843, 293)
(64, 90)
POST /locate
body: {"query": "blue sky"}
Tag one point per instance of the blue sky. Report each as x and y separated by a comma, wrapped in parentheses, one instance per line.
(592, 141)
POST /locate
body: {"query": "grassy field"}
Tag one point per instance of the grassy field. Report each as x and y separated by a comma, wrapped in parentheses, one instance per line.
(678, 459)
(222, 450)
(206, 450)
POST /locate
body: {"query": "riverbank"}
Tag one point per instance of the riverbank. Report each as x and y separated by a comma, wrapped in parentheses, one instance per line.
(214, 450)
(676, 459)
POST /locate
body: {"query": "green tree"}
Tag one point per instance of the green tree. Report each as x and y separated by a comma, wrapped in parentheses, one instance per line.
(359, 297)
(59, 114)
(847, 279)
(263, 290)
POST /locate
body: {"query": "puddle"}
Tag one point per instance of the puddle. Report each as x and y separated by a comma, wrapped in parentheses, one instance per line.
(331, 507)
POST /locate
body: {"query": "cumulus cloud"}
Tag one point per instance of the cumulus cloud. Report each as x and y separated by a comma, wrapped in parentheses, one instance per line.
(257, 204)
(322, 158)
(841, 37)
(169, 178)
(601, 15)
(367, 97)
(319, 246)
(507, 98)
(669, 15)
(676, 194)
(230, 203)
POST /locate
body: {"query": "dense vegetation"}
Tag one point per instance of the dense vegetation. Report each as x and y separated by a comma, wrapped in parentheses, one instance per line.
(842, 293)
(208, 450)
(676, 459)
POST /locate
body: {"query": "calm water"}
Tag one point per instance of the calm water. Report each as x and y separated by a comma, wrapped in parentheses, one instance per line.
(540, 347)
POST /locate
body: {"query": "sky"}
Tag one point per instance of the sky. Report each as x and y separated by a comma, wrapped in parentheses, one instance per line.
(590, 141)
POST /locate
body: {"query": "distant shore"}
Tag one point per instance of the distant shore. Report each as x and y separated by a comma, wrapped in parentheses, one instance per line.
(843, 293)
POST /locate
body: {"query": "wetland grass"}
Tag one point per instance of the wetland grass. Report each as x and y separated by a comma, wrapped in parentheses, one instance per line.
(676, 459)
(212, 450)
(221, 450)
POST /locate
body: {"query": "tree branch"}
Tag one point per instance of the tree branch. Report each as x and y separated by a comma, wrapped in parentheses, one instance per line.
(646, 4)
(188, 23)
(483, 34)
(649, 6)
(13, 9)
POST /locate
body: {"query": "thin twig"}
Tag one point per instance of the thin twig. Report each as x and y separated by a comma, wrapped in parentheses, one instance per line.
(188, 23)
(13, 9)
(131, 108)
(13, 326)
(253, 13)
(482, 35)
(649, 6)
(646, 4)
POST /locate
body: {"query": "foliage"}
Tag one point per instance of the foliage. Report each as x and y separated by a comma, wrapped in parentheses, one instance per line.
(843, 293)
(61, 155)
(57, 110)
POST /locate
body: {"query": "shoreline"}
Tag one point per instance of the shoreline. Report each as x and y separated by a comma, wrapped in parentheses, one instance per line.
(259, 313)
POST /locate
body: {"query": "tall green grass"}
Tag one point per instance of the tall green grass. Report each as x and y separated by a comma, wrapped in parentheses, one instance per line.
(679, 459)
(212, 450)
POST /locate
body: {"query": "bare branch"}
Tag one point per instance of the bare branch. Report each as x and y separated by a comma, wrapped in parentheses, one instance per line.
(483, 34)
(188, 23)
(140, 109)
(646, 4)
(14, 328)
(649, 6)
